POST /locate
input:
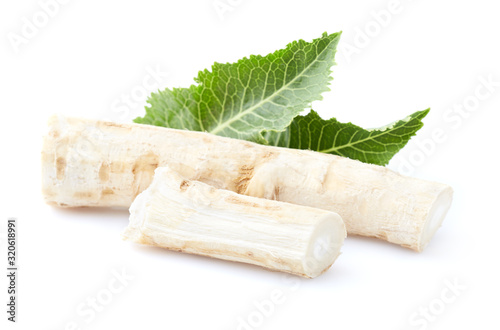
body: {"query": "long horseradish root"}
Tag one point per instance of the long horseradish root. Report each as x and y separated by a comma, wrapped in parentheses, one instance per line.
(96, 163)
(190, 216)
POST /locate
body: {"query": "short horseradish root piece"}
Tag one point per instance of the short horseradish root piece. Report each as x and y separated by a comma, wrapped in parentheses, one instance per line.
(96, 163)
(191, 216)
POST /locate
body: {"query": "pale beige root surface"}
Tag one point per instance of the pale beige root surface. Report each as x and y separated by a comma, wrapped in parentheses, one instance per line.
(95, 163)
(191, 216)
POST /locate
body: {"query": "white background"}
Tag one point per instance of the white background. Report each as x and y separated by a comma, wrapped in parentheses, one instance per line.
(90, 54)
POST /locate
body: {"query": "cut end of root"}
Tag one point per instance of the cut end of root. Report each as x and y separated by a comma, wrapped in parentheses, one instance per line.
(436, 216)
(324, 246)
(137, 217)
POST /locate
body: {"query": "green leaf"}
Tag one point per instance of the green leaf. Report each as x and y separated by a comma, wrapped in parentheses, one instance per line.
(255, 94)
(375, 146)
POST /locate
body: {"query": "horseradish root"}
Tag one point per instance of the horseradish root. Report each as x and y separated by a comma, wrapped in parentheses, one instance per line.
(193, 217)
(96, 163)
